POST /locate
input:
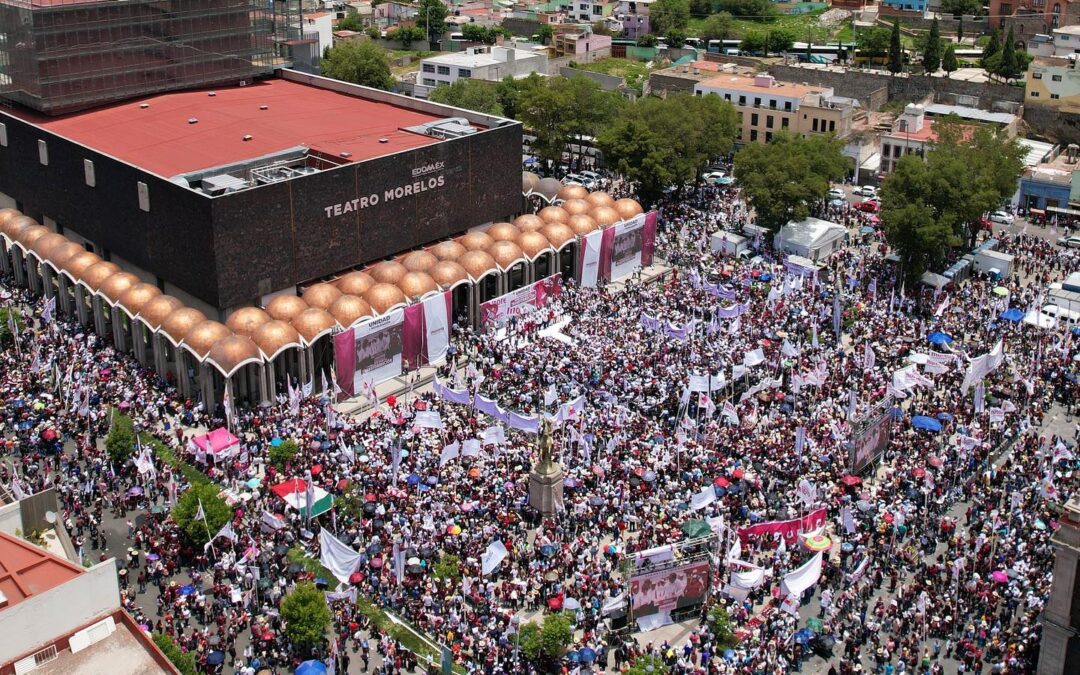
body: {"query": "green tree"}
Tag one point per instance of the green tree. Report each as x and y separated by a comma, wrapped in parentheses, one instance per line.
(601, 28)
(783, 178)
(5, 324)
(306, 616)
(431, 14)
(896, 51)
(546, 643)
(557, 109)
(949, 63)
(184, 661)
(545, 33)
(959, 8)
(675, 38)
(283, 453)
(351, 22)
(780, 40)
(508, 91)
(719, 26)
(719, 621)
(656, 143)
(665, 15)
(120, 441)
(1010, 68)
(407, 35)
(872, 41)
(648, 40)
(931, 57)
(187, 508)
(754, 42)
(469, 94)
(447, 567)
(647, 664)
(993, 46)
(359, 62)
(754, 10)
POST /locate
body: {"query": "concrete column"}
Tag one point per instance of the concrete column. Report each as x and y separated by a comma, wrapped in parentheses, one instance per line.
(138, 342)
(64, 286)
(5, 259)
(270, 380)
(19, 262)
(158, 345)
(264, 376)
(81, 305)
(47, 274)
(99, 314)
(1060, 651)
(206, 387)
(302, 358)
(33, 275)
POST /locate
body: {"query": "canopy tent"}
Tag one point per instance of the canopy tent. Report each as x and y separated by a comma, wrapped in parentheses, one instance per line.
(294, 492)
(219, 443)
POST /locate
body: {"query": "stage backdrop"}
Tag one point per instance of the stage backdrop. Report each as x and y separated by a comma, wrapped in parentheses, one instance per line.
(404, 338)
(868, 445)
(522, 301)
(654, 595)
(619, 250)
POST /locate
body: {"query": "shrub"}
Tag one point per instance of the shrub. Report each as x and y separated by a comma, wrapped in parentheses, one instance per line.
(183, 661)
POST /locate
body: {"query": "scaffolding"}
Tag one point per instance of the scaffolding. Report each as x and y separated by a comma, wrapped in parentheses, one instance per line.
(58, 56)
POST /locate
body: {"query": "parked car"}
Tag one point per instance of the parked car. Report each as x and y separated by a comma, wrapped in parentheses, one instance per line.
(1002, 217)
(868, 206)
(1069, 242)
(593, 176)
(578, 179)
(866, 191)
(836, 193)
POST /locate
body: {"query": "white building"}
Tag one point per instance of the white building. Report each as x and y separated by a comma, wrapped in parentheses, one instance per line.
(812, 238)
(491, 64)
(1062, 42)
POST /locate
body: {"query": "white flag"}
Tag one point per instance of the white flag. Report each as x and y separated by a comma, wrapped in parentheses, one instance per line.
(869, 358)
(753, 357)
(706, 496)
(797, 581)
(49, 308)
(550, 396)
(449, 453)
(428, 419)
(491, 558)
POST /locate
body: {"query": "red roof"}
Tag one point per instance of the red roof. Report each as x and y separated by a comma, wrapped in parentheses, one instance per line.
(159, 138)
(27, 570)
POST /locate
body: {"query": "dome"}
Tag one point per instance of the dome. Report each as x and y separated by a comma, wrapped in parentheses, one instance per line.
(7, 216)
(528, 181)
(79, 263)
(582, 224)
(31, 234)
(387, 272)
(506, 253)
(116, 285)
(576, 207)
(179, 323)
(157, 309)
(61, 254)
(313, 323)
(628, 208)
(419, 261)
(503, 232)
(348, 308)
(382, 297)
(476, 241)
(355, 283)
(447, 250)
(136, 297)
(417, 284)
(477, 263)
(203, 335)
(548, 188)
(529, 222)
(15, 227)
(246, 320)
(553, 214)
(558, 234)
(274, 336)
(605, 216)
(532, 243)
(321, 296)
(44, 245)
(230, 353)
(96, 274)
(600, 199)
(447, 273)
(573, 192)
(285, 307)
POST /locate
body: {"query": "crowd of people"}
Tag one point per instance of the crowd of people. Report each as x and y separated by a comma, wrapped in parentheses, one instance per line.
(937, 550)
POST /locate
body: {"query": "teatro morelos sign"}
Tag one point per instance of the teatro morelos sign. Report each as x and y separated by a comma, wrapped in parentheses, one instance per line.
(426, 177)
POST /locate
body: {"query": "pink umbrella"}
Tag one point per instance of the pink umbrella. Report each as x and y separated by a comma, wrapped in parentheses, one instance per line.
(999, 576)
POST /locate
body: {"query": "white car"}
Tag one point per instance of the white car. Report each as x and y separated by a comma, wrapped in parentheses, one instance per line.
(1001, 217)
(592, 175)
(578, 179)
(712, 176)
(836, 193)
(1069, 242)
(866, 191)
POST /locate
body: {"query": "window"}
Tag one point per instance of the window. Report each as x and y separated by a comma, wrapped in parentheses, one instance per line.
(787, 106)
(885, 149)
(772, 103)
(1055, 78)
(727, 97)
(597, 10)
(742, 100)
(428, 68)
(1055, 96)
(769, 121)
(444, 70)
(428, 82)
(784, 123)
(464, 72)
(768, 136)
(757, 102)
(753, 120)
(1034, 94)
(815, 124)
(1037, 76)
(832, 125)
(753, 135)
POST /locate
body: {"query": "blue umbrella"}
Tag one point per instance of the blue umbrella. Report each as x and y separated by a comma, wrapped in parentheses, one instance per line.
(1012, 314)
(588, 655)
(276, 442)
(218, 658)
(944, 416)
(311, 668)
(925, 423)
(765, 277)
(187, 590)
(413, 479)
(802, 636)
(939, 338)
(865, 229)
(573, 657)
(729, 654)
(1076, 330)
(897, 413)
(253, 483)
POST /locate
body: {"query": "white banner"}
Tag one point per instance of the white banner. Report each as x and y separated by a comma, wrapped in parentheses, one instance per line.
(626, 246)
(337, 556)
(799, 580)
(494, 555)
(437, 325)
(590, 261)
(378, 349)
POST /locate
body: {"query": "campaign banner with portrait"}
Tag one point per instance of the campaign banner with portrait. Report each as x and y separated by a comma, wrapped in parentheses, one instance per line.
(370, 350)
(868, 444)
(654, 595)
(627, 245)
(522, 301)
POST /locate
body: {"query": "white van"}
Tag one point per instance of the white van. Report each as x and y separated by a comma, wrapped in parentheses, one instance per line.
(1062, 314)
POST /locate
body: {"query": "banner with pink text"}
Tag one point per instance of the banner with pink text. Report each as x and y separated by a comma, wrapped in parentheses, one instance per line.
(788, 529)
(522, 301)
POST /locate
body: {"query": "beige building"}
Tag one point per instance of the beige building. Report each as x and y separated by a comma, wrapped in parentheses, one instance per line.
(1054, 82)
(767, 107)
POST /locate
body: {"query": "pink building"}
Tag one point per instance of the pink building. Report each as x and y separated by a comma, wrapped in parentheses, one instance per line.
(580, 41)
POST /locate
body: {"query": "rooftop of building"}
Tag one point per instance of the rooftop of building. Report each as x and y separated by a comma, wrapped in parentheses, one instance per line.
(754, 85)
(968, 113)
(705, 69)
(1057, 171)
(470, 59)
(124, 652)
(27, 570)
(1067, 30)
(236, 124)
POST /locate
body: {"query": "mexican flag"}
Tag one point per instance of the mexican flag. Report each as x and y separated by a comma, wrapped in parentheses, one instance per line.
(295, 494)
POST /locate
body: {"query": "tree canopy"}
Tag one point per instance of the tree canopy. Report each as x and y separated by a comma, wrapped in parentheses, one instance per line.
(546, 642)
(961, 7)
(754, 10)
(469, 94)
(665, 15)
(187, 508)
(557, 109)
(929, 206)
(931, 58)
(120, 441)
(432, 16)
(359, 62)
(949, 63)
(872, 40)
(656, 143)
(306, 615)
(783, 178)
(896, 50)
(720, 26)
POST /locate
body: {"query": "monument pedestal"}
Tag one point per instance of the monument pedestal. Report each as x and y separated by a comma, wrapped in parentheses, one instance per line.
(546, 489)
(1060, 649)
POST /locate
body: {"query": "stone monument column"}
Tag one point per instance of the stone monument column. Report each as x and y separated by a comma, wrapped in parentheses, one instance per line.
(1060, 651)
(546, 478)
